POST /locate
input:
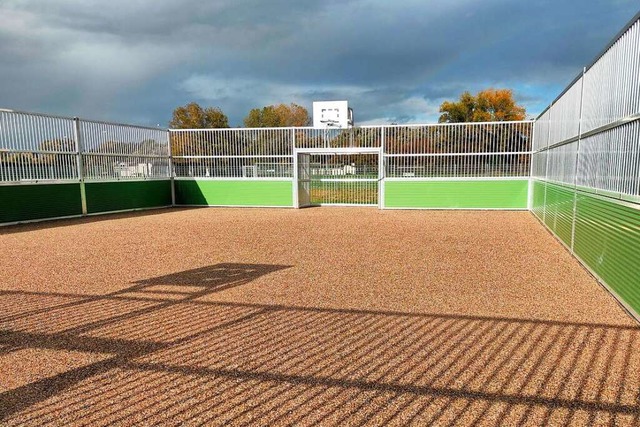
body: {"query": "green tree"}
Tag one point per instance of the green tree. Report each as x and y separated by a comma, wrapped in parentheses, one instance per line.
(280, 115)
(489, 105)
(193, 116)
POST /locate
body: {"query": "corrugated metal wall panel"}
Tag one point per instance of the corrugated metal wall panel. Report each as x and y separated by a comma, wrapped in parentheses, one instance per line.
(39, 201)
(559, 211)
(607, 239)
(234, 193)
(127, 195)
(476, 194)
(538, 199)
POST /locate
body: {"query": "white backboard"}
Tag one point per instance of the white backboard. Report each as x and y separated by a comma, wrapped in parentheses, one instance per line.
(332, 114)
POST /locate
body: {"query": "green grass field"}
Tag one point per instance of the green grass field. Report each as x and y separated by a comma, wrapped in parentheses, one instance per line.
(350, 192)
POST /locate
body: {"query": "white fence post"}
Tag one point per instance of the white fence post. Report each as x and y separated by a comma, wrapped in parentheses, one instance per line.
(80, 163)
(172, 174)
(381, 171)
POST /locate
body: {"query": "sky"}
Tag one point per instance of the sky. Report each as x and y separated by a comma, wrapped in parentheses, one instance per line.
(134, 61)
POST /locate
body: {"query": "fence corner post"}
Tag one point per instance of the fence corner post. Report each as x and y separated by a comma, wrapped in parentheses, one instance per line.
(79, 148)
(381, 169)
(172, 173)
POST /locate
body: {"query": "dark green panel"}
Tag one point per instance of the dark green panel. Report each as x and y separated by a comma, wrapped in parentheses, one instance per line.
(39, 201)
(126, 195)
(559, 211)
(607, 239)
(234, 192)
(471, 194)
(538, 199)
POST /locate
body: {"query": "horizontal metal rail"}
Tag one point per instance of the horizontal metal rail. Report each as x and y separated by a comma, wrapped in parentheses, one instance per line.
(488, 153)
(249, 156)
(620, 122)
(138, 156)
(344, 179)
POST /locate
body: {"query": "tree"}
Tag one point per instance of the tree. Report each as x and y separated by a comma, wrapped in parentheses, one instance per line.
(280, 115)
(489, 105)
(460, 111)
(193, 116)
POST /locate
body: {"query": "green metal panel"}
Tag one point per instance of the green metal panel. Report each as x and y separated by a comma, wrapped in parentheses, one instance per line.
(126, 195)
(234, 192)
(39, 201)
(607, 239)
(471, 194)
(538, 199)
(559, 211)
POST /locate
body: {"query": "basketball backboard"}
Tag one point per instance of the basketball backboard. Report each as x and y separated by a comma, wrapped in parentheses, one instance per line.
(332, 114)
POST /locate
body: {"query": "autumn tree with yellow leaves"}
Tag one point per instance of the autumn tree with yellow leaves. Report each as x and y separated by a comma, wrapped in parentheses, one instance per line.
(193, 116)
(489, 105)
(280, 115)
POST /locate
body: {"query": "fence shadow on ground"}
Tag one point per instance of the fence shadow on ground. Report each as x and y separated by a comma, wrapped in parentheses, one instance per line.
(165, 356)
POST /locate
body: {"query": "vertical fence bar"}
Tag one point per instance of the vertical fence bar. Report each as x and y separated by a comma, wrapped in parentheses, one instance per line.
(546, 168)
(577, 166)
(531, 177)
(77, 136)
(381, 169)
(172, 174)
(295, 184)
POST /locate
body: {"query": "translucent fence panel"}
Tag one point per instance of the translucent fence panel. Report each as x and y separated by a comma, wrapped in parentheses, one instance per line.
(564, 115)
(593, 127)
(610, 160)
(35, 147)
(500, 149)
(541, 132)
(539, 165)
(588, 192)
(612, 83)
(562, 163)
(113, 151)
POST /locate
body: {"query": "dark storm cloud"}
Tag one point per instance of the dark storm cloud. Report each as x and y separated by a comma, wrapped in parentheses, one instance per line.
(137, 60)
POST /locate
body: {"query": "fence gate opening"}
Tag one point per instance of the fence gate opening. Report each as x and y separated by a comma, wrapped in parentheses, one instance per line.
(339, 177)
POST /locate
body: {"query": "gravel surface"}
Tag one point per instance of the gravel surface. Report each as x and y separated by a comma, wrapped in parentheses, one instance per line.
(325, 316)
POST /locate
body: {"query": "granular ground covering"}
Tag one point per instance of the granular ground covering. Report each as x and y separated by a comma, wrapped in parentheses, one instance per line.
(325, 316)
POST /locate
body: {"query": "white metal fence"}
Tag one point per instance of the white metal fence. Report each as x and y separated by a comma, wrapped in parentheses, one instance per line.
(233, 153)
(112, 151)
(590, 136)
(36, 147)
(469, 150)
(460, 150)
(43, 148)
(39, 148)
